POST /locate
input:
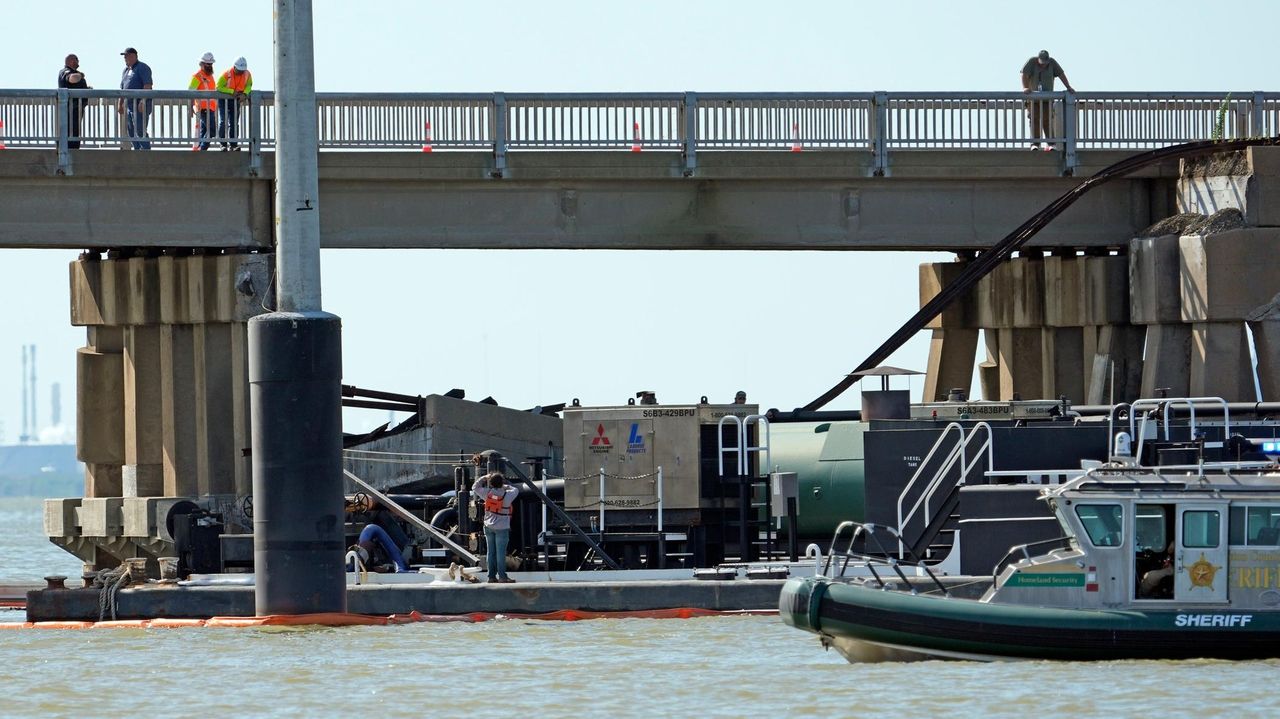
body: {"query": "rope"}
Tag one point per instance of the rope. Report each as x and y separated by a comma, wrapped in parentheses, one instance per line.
(108, 582)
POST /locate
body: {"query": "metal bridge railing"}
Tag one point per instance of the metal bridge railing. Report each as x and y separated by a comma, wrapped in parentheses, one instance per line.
(880, 123)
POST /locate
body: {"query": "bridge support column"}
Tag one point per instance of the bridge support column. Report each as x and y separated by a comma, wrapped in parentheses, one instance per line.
(100, 411)
(1220, 364)
(216, 450)
(989, 369)
(951, 354)
(1063, 355)
(295, 366)
(1021, 363)
(1167, 364)
(1266, 342)
(144, 421)
(177, 372)
(954, 340)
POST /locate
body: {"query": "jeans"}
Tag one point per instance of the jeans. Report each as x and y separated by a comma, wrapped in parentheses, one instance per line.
(1041, 116)
(496, 540)
(373, 533)
(207, 125)
(229, 117)
(136, 116)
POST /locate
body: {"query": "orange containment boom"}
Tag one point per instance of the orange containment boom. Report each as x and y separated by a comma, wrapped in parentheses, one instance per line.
(335, 619)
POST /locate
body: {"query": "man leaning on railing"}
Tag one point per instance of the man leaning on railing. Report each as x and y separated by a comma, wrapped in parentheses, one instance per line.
(136, 76)
(1038, 74)
(238, 83)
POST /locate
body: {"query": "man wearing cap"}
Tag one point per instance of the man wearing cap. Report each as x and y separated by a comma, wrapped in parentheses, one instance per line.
(203, 110)
(1037, 76)
(70, 78)
(237, 82)
(136, 76)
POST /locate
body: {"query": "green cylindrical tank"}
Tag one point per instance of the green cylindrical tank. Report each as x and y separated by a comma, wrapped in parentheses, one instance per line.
(827, 458)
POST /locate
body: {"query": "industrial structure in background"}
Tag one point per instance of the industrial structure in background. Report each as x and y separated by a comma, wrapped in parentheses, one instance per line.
(40, 464)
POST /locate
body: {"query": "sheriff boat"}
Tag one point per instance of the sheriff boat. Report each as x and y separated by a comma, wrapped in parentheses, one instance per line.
(1169, 561)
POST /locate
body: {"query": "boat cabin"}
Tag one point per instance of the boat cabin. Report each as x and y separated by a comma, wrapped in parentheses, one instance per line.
(1139, 536)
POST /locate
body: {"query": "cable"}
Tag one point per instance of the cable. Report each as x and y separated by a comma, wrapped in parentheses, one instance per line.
(987, 261)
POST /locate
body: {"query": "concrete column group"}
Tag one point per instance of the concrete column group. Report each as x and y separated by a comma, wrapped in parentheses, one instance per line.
(162, 383)
(1181, 314)
(1052, 326)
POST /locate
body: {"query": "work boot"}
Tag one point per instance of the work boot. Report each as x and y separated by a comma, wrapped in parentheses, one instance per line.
(507, 580)
(495, 580)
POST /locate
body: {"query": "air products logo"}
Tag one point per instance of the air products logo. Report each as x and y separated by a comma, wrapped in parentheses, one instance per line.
(635, 442)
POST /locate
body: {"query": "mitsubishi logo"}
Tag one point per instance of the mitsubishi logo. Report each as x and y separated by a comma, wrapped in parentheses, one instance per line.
(599, 439)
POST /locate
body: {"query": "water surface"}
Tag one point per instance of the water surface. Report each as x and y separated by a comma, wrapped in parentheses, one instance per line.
(715, 667)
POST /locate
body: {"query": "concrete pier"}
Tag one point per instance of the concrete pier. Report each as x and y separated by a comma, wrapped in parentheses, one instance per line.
(162, 390)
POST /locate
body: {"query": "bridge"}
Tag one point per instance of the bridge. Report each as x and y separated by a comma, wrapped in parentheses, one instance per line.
(163, 378)
(833, 171)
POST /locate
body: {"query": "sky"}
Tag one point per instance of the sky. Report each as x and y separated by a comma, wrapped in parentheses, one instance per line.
(418, 322)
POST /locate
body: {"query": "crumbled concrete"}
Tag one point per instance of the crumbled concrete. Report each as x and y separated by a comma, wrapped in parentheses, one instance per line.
(1219, 165)
(1175, 225)
(1228, 218)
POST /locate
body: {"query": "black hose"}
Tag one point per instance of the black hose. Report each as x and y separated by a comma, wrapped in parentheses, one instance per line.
(445, 518)
(987, 261)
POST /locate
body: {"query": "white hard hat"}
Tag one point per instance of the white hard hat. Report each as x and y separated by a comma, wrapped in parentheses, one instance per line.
(207, 58)
(241, 64)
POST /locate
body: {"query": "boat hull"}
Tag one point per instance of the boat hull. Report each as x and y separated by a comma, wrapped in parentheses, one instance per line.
(866, 623)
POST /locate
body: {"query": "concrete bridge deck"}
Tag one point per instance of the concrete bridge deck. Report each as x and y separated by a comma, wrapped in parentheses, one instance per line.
(939, 199)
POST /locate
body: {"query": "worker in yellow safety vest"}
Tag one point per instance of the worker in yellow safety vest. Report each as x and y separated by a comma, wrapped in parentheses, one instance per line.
(203, 110)
(237, 82)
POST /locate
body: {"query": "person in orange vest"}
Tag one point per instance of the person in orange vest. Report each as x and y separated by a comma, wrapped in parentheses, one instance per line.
(498, 498)
(237, 82)
(203, 110)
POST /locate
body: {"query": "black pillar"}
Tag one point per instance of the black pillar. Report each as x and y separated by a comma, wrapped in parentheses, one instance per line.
(295, 394)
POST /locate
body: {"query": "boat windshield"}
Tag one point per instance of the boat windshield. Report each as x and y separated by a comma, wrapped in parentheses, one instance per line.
(1255, 525)
(1103, 523)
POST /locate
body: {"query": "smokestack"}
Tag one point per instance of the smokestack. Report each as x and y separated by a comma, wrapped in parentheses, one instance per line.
(22, 438)
(55, 400)
(35, 426)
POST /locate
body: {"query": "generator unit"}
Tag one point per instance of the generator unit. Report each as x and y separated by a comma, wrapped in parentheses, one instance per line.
(633, 470)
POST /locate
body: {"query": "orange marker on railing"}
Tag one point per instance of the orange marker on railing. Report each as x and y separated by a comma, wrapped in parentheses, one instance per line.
(426, 143)
(2, 134)
(635, 143)
(795, 138)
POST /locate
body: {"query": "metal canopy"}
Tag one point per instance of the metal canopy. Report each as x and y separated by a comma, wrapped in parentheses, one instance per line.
(884, 372)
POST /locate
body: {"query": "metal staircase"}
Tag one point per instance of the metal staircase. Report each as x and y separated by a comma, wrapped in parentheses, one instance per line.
(927, 527)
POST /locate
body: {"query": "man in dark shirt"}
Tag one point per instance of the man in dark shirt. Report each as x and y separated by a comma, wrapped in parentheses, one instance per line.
(70, 78)
(136, 76)
(1038, 74)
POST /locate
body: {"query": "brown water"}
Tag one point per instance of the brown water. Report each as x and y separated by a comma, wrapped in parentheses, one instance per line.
(724, 666)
